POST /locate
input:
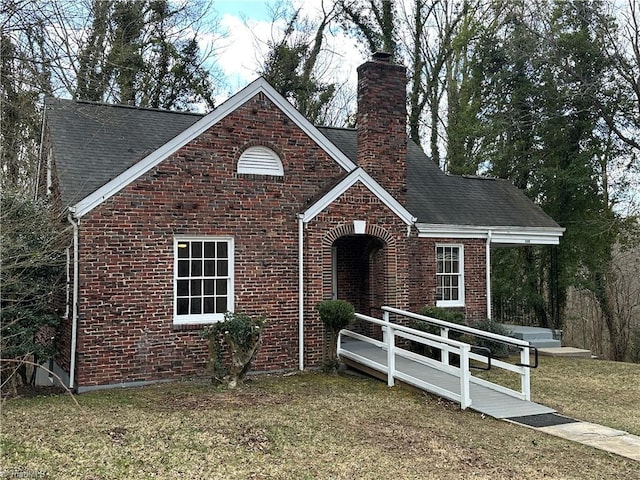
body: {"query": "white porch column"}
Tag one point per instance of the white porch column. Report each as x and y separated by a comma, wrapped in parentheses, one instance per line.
(488, 273)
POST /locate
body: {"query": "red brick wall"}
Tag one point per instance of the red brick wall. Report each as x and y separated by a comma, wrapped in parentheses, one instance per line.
(423, 274)
(382, 125)
(126, 249)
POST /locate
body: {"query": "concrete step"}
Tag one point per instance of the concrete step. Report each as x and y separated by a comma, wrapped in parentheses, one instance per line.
(565, 352)
(537, 336)
(541, 343)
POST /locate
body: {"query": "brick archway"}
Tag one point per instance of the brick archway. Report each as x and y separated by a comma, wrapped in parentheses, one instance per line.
(360, 267)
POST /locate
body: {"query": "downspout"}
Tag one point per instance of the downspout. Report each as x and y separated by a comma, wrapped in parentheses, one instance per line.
(301, 292)
(488, 272)
(74, 305)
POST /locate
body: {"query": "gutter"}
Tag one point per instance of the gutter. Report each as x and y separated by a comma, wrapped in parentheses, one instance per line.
(301, 292)
(74, 305)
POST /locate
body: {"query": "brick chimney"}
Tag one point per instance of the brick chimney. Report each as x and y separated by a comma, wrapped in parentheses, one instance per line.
(381, 122)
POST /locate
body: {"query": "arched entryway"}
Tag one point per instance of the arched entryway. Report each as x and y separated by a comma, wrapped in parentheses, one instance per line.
(359, 272)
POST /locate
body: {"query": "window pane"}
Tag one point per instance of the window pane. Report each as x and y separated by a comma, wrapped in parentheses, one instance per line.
(447, 267)
(196, 249)
(183, 249)
(196, 288)
(196, 268)
(455, 267)
(209, 249)
(221, 304)
(208, 305)
(208, 287)
(221, 287)
(183, 268)
(454, 294)
(209, 268)
(183, 306)
(223, 250)
(183, 288)
(196, 305)
(223, 268)
(446, 294)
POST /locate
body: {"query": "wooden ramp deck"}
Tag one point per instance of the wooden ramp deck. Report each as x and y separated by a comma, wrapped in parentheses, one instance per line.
(483, 399)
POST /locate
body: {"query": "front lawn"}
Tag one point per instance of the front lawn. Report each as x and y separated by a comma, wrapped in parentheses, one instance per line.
(310, 426)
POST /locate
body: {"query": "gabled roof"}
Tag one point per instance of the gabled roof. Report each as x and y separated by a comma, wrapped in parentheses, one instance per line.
(99, 149)
(175, 137)
(443, 203)
(357, 176)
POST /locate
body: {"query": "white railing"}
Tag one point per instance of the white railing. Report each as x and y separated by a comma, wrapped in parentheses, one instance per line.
(389, 345)
(446, 346)
(522, 368)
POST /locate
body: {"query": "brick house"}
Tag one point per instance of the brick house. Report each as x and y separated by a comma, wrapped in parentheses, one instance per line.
(178, 218)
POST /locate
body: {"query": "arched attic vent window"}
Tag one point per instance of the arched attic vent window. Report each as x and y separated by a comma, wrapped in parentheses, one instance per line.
(260, 161)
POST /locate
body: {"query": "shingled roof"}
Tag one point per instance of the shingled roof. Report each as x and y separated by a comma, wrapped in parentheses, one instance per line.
(437, 198)
(93, 143)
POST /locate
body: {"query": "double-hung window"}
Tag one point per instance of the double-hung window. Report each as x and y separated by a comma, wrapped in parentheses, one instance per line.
(449, 276)
(203, 279)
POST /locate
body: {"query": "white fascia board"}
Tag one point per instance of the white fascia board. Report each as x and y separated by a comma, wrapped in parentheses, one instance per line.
(358, 175)
(499, 234)
(153, 159)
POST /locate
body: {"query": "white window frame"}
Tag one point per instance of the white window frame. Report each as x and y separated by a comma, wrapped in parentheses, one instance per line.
(460, 274)
(202, 318)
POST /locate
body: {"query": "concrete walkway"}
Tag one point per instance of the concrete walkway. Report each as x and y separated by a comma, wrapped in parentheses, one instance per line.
(597, 436)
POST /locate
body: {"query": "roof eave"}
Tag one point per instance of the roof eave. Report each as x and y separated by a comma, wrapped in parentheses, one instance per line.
(499, 235)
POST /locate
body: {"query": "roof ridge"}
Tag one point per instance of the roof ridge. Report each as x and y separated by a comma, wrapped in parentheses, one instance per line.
(329, 127)
(123, 106)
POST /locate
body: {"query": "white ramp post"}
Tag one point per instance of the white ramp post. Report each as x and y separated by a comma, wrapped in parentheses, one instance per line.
(391, 354)
(465, 377)
(444, 354)
(525, 375)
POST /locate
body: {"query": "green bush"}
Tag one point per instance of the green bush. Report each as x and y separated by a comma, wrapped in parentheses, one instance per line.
(243, 336)
(336, 315)
(444, 314)
(498, 349)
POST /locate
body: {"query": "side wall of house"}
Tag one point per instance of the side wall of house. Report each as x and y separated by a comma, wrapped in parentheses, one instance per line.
(423, 275)
(126, 324)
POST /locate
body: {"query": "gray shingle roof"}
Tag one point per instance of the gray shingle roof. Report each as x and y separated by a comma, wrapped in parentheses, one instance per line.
(437, 198)
(93, 143)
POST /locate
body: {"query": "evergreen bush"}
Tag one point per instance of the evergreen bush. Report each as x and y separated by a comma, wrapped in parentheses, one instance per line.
(336, 315)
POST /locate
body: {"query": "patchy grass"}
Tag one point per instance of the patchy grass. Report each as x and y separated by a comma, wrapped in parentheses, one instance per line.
(306, 426)
(598, 391)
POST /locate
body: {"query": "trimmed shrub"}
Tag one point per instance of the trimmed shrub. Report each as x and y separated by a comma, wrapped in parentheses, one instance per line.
(336, 315)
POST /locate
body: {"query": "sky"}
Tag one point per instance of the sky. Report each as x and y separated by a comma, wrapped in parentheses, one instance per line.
(248, 26)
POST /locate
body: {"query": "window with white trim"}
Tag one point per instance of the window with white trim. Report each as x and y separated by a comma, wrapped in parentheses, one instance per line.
(260, 161)
(449, 276)
(203, 279)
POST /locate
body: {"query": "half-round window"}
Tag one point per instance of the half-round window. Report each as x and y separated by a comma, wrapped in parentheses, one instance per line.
(260, 161)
